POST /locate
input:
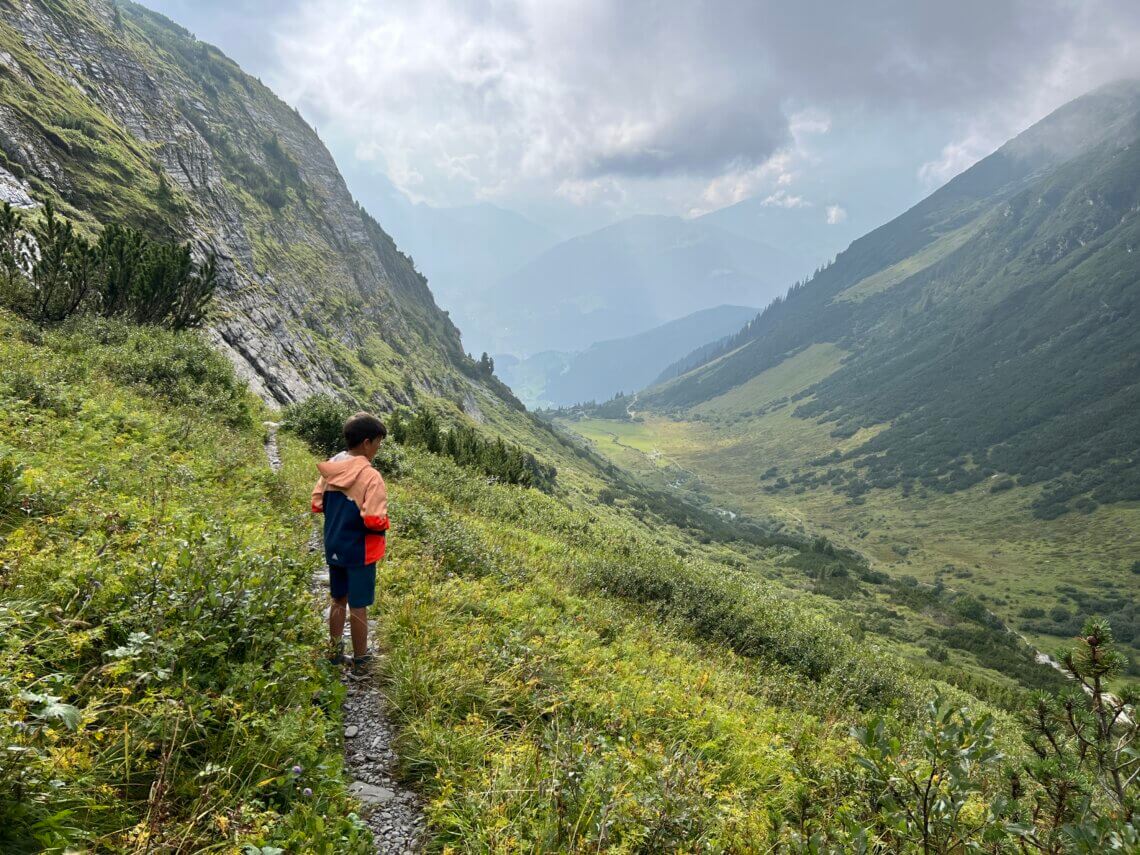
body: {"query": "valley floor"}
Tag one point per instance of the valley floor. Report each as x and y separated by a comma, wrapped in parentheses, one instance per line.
(986, 543)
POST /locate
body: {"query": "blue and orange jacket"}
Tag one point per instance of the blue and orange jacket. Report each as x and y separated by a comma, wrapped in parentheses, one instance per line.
(354, 499)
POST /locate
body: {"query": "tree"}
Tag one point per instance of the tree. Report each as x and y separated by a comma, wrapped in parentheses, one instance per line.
(486, 365)
(53, 273)
(62, 271)
(14, 255)
(1085, 754)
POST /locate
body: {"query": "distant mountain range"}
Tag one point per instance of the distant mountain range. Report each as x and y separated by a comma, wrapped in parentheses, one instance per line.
(803, 233)
(556, 378)
(515, 287)
(626, 279)
(991, 329)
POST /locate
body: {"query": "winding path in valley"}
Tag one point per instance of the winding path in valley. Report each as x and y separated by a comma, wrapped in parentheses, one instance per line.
(392, 811)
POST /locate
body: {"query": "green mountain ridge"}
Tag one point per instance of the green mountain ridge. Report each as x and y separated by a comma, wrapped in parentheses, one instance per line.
(988, 328)
(119, 115)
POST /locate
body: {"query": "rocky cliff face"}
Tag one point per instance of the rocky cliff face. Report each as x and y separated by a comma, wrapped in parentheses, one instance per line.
(116, 113)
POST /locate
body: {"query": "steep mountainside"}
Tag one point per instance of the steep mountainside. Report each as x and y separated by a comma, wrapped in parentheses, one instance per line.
(606, 368)
(464, 251)
(117, 114)
(991, 329)
(627, 278)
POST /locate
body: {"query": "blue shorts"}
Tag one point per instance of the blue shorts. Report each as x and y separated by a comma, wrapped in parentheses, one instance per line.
(357, 583)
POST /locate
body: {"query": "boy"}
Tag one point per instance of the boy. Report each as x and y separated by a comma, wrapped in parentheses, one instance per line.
(353, 498)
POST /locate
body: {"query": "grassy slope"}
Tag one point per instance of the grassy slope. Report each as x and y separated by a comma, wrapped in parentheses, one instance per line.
(154, 578)
(969, 540)
(566, 675)
(565, 681)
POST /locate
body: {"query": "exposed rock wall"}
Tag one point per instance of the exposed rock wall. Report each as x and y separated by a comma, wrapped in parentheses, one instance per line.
(306, 275)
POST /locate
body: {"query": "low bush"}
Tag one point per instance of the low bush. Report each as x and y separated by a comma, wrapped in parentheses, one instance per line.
(160, 681)
(49, 273)
(319, 421)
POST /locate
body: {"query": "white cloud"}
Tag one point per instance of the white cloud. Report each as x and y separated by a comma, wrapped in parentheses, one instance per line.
(836, 214)
(784, 199)
(809, 122)
(954, 158)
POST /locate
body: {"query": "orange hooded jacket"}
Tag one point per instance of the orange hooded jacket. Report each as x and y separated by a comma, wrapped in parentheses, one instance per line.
(354, 499)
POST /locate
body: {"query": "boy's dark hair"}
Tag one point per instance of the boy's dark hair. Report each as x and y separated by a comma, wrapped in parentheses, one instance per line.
(361, 427)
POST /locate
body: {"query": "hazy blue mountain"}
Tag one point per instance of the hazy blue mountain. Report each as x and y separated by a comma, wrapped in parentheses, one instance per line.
(463, 251)
(555, 378)
(628, 278)
(803, 233)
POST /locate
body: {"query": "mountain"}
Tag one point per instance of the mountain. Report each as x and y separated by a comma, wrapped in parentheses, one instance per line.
(955, 397)
(599, 665)
(116, 114)
(462, 250)
(802, 232)
(628, 278)
(991, 328)
(606, 368)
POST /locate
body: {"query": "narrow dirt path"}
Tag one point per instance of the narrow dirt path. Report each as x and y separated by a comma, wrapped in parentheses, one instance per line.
(391, 810)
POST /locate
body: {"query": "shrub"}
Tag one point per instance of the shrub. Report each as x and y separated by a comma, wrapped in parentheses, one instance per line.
(319, 421)
(49, 273)
(179, 368)
(11, 489)
(936, 801)
(466, 446)
(1084, 754)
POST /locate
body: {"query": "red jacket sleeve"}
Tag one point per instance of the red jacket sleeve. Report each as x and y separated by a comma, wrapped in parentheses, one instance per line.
(374, 508)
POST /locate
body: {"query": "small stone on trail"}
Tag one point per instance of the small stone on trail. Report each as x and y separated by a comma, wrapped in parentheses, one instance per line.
(371, 794)
(351, 731)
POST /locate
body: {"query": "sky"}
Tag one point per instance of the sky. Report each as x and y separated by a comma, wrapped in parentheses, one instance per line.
(579, 113)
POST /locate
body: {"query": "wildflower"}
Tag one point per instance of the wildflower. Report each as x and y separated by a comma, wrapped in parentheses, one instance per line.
(307, 792)
(297, 770)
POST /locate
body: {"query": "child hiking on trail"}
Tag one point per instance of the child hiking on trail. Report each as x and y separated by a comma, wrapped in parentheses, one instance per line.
(353, 498)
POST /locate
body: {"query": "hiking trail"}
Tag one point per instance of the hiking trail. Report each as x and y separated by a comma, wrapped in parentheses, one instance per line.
(391, 810)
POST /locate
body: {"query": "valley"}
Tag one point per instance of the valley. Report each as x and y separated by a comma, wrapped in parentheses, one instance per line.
(811, 558)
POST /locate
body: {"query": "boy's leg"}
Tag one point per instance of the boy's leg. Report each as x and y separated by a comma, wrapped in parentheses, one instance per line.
(361, 594)
(338, 594)
(358, 624)
(337, 610)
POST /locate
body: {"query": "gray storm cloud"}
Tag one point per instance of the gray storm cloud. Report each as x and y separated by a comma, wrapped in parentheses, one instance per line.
(467, 98)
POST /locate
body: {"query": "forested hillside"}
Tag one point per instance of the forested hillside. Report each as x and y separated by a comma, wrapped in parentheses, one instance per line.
(990, 329)
(955, 396)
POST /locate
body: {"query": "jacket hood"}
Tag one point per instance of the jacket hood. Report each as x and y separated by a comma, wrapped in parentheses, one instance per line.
(343, 470)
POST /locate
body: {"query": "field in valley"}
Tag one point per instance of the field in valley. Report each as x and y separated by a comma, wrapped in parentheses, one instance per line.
(986, 543)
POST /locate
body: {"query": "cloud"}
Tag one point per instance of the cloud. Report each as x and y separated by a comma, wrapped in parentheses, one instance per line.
(617, 99)
(592, 191)
(784, 199)
(956, 157)
(836, 214)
